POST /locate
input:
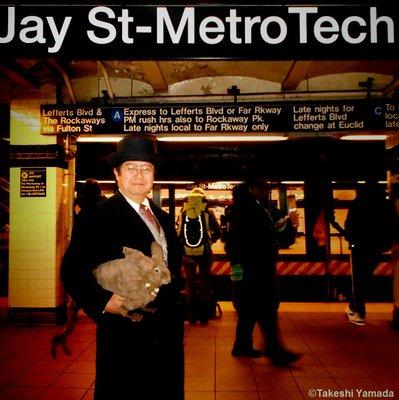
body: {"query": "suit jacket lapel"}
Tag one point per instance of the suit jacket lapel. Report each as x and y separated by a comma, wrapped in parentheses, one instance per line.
(128, 213)
(158, 214)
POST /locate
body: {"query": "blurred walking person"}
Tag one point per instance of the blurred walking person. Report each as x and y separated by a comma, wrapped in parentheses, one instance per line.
(252, 248)
(369, 230)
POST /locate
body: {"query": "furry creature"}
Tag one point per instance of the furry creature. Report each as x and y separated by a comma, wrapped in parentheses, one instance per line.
(136, 277)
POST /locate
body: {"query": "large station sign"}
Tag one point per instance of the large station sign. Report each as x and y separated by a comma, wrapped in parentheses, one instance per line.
(316, 117)
(263, 32)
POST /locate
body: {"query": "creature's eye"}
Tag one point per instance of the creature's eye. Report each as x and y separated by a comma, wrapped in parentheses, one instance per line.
(157, 270)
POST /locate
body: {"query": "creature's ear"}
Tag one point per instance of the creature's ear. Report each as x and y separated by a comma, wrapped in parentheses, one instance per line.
(156, 251)
(129, 252)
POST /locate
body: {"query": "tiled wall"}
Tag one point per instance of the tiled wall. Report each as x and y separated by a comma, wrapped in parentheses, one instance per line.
(25, 123)
(392, 139)
(39, 226)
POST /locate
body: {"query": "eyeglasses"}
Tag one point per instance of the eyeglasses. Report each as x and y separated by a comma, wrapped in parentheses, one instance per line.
(135, 169)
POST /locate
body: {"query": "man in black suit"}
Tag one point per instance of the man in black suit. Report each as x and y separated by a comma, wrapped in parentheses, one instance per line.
(134, 360)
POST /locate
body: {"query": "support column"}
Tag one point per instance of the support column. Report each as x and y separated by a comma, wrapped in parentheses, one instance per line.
(39, 216)
(172, 202)
(282, 194)
(156, 195)
(317, 199)
(392, 145)
(4, 182)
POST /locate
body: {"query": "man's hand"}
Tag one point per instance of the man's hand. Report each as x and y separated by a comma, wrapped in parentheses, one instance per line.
(114, 304)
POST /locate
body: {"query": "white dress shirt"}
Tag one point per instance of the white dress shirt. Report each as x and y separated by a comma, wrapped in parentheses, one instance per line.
(158, 236)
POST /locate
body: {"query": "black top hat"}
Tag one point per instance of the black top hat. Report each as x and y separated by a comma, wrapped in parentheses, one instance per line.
(134, 148)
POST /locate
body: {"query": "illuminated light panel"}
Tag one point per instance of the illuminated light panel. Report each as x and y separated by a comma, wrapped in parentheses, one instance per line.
(114, 139)
(174, 182)
(292, 182)
(364, 137)
(222, 138)
(380, 182)
(158, 182)
(99, 181)
(98, 139)
(227, 182)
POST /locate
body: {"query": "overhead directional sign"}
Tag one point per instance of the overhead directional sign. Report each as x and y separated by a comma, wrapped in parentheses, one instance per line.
(242, 118)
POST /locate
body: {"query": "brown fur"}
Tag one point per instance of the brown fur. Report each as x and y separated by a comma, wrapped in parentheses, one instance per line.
(136, 277)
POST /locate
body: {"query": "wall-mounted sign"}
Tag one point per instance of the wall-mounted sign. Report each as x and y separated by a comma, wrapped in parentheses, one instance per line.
(212, 186)
(282, 117)
(33, 182)
(261, 32)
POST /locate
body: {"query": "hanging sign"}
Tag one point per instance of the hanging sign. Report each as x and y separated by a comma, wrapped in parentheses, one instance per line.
(280, 117)
(217, 31)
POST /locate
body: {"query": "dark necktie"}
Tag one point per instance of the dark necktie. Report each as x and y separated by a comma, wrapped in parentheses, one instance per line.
(149, 216)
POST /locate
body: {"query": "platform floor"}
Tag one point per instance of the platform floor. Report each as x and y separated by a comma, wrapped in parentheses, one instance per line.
(336, 355)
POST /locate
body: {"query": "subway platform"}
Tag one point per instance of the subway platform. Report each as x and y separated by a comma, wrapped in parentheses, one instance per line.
(340, 360)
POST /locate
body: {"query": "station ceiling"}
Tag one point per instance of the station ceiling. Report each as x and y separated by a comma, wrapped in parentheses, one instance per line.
(78, 81)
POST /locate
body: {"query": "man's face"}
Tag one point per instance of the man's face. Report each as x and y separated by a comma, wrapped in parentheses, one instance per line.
(135, 179)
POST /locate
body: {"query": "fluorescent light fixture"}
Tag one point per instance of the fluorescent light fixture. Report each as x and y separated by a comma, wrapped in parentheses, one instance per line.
(99, 181)
(211, 138)
(364, 137)
(158, 182)
(174, 182)
(292, 182)
(380, 182)
(222, 138)
(228, 182)
(99, 139)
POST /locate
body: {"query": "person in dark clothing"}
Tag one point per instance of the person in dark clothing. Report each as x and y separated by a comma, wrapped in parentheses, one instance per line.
(134, 360)
(89, 195)
(88, 198)
(369, 230)
(251, 246)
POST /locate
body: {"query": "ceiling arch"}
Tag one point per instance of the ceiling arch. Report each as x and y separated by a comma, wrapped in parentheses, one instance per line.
(26, 77)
